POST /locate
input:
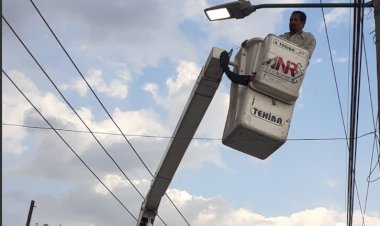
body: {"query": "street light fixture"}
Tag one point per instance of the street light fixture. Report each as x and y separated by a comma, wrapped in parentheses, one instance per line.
(237, 10)
(242, 8)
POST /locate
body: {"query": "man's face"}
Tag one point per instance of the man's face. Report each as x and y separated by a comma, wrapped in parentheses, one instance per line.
(295, 23)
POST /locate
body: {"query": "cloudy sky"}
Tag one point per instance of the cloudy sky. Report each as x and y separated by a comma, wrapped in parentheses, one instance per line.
(141, 60)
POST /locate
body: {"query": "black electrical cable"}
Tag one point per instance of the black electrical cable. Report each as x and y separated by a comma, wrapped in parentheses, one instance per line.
(334, 73)
(72, 108)
(100, 102)
(170, 137)
(335, 79)
(374, 122)
(68, 145)
(354, 112)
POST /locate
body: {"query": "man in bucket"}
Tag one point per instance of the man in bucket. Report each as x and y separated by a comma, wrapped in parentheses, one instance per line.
(296, 35)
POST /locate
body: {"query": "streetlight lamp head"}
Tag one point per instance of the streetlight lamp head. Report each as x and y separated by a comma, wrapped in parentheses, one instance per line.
(237, 10)
(217, 14)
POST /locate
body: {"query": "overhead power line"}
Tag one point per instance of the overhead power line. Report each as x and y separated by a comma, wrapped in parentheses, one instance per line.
(170, 137)
(100, 102)
(375, 144)
(354, 113)
(72, 108)
(357, 49)
(68, 145)
(334, 73)
(104, 108)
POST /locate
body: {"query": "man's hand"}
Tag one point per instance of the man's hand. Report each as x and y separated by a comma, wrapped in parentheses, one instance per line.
(243, 44)
(224, 59)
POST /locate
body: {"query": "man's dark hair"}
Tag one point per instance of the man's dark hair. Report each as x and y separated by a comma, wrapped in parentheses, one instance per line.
(302, 15)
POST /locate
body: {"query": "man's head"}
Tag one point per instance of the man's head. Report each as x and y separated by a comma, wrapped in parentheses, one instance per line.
(297, 21)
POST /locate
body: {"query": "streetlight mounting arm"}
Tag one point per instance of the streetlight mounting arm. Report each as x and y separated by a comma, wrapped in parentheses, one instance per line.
(242, 8)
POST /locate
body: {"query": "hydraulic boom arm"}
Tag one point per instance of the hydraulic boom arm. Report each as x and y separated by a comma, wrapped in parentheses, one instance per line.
(196, 106)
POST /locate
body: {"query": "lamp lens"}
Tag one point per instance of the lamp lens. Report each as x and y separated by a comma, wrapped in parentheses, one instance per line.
(218, 14)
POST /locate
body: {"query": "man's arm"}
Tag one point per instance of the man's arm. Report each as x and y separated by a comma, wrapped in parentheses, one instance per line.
(310, 42)
(235, 78)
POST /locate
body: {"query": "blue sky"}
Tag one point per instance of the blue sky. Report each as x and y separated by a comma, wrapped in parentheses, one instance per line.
(142, 58)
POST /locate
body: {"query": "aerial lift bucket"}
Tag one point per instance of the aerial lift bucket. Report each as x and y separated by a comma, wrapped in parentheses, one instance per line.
(260, 114)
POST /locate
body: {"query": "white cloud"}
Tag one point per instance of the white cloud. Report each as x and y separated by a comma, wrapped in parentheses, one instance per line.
(186, 74)
(143, 122)
(318, 61)
(133, 29)
(338, 57)
(112, 182)
(14, 107)
(193, 9)
(13, 136)
(331, 183)
(215, 211)
(200, 153)
(137, 122)
(342, 59)
(198, 210)
(153, 89)
(17, 110)
(116, 87)
(86, 115)
(138, 37)
(179, 87)
(335, 18)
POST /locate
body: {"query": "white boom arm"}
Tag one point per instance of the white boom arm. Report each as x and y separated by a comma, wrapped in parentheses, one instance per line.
(196, 106)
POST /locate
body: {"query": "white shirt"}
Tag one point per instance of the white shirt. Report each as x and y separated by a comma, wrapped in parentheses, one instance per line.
(302, 39)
